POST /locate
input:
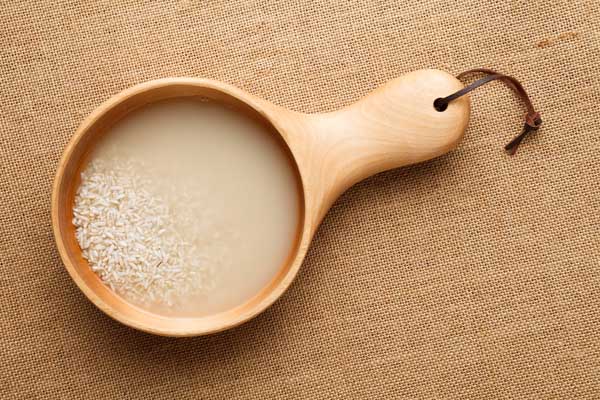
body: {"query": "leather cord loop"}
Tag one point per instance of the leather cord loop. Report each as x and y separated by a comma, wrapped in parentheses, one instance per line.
(532, 118)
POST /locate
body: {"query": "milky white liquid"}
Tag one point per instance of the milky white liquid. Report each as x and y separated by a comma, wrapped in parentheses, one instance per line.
(229, 185)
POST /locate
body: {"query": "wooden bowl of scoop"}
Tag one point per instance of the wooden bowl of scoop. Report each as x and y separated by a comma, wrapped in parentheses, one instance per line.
(393, 126)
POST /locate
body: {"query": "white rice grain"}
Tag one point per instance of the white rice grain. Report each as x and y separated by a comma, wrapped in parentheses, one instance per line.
(126, 235)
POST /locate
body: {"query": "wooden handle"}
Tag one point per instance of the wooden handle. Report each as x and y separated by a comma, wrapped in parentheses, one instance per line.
(394, 125)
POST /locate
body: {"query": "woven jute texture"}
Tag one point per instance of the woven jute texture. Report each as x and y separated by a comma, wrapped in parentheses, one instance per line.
(472, 276)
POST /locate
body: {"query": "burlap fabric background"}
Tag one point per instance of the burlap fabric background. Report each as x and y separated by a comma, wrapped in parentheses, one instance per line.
(472, 276)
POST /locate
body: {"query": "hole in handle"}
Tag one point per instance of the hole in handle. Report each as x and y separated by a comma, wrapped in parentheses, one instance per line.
(440, 104)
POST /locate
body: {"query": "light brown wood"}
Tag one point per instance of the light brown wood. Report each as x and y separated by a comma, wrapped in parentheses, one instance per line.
(393, 126)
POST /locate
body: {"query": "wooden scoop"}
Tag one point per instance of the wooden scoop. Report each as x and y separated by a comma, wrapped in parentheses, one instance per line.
(395, 125)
